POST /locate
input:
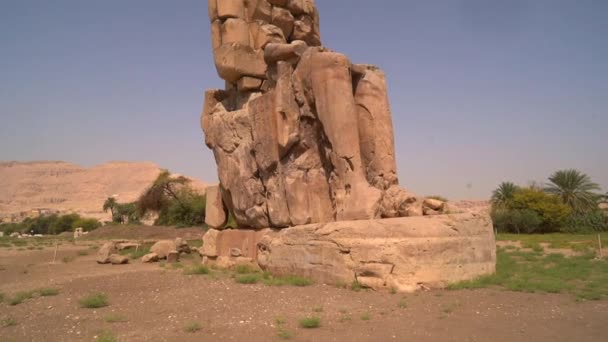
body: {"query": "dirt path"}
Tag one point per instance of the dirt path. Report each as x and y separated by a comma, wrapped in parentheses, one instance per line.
(158, 303)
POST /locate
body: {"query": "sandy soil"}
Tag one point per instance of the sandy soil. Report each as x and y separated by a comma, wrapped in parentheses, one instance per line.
(159, 303)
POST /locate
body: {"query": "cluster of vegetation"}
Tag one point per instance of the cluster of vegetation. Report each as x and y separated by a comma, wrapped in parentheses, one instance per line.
(568, 203)
(535, 271)
(171, 198)
(51, 224)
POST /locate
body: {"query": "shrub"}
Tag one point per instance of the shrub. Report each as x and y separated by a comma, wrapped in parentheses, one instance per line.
(193, 327)
(20, 297)
(9, 322)
(366, 316)
(48, 291)
(106, 336)
(592, 222)
(197, 270)
(516, 221)
(94, 301)
(247, 278)
(310, 322)
(115, 318)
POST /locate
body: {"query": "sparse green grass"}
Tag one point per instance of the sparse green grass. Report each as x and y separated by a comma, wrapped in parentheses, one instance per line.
(195, 243)
(317, 309)
(48, 291)
(582, 276)
(106, 336)
(284, 334)
(193, 327)
(20, 297)
(341, 285)
(19, 243)
(345, 318)
(115, 318)
(575, 242)
(83, 253)
(244, 269)
(310, 322)
(1, 297)
(366, 316)
(8, 322)
(67, 259)
(402, 303)
(94, 301)
(177, 265)
(291, 280)
(449, 308)
(136, 253)
(247, 278)
(355, 286)
(393, 290)
(197, 270)
(162, 264)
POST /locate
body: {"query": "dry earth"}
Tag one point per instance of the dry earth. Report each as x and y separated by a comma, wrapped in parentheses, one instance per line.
(158, 303)
(69, 187)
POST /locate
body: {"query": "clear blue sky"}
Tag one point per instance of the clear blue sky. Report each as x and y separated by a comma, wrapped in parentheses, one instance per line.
(482, 91)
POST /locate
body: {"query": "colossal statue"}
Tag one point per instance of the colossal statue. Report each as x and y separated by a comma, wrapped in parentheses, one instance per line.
(300, 134)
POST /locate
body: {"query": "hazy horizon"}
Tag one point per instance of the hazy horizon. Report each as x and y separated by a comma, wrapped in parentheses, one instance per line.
(481, 91)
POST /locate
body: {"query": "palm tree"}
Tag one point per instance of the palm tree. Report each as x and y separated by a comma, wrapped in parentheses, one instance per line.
(110, 204)
(504, 194)
(575, 189)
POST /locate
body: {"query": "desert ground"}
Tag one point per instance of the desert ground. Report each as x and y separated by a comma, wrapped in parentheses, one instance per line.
(167, 302)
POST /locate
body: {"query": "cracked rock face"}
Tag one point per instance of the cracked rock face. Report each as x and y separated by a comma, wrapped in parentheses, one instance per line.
(300, 135)
(404, 254)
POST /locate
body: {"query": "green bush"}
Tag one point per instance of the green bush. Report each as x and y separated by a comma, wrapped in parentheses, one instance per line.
(51, 224)
(592, 222)
(94, 301)
(188, 211)
(516, 220)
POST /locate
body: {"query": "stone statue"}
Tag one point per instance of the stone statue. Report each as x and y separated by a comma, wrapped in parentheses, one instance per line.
(300, 134)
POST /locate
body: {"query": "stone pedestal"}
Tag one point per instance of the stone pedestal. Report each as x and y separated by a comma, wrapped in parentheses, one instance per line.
(401, 253)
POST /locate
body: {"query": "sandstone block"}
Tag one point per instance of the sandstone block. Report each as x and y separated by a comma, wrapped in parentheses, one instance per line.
(235, 31)
(230, 9)
(210, 243)
(247, 83)
(400, 253)
(104, 253)
(116, 259)
(173, 257)
(215, 214)
(259, 10)
(283, 19)
(149, 258)
(433, 204)
(233, 61)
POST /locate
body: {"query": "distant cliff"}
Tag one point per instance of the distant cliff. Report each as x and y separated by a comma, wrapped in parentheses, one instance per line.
(65, 187)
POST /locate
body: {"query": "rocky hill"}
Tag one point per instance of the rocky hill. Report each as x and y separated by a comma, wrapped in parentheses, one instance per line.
(65, 187)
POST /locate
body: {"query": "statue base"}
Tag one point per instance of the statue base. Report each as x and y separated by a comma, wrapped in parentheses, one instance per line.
(404, 254)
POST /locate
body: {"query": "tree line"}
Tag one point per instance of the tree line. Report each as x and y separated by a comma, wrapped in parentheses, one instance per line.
(568, 202)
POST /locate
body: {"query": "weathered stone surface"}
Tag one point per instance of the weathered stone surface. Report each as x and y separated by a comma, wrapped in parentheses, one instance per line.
(225, 243)
(116, 259)
(300, 135)
(401, 253)
(249, 84)
(104, 253)
(283, 19)
(376, 128)
(173, 257)
(433, 204)
(234, 61)
(230, 8)
(292, 52)
(126, 245)
(150, 257)
(259, 10)
(164, 247)
(235, 31)
(215, 214)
